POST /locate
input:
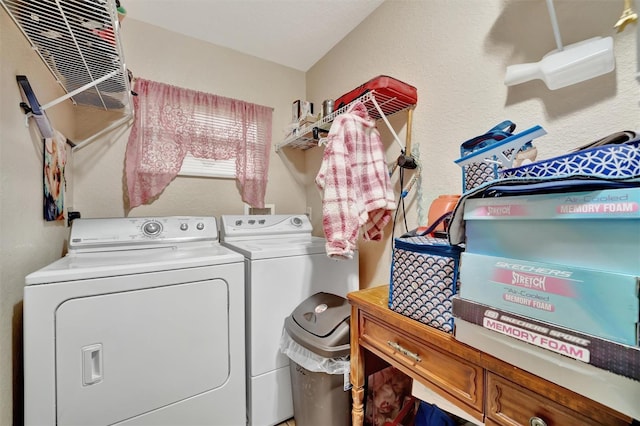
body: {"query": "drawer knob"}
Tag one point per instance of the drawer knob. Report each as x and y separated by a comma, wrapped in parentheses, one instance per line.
(404, 351)
(537, 421)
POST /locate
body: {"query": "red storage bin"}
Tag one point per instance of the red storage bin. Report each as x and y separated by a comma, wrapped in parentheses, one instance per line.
(387, 87)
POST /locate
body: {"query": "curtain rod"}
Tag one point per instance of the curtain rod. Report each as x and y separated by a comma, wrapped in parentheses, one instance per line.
(201, 91)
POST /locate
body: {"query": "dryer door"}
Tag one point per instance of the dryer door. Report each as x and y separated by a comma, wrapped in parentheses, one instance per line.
(123, 354)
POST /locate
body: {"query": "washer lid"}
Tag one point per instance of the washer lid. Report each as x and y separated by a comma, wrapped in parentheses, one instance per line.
(100, 264)
(278, 247)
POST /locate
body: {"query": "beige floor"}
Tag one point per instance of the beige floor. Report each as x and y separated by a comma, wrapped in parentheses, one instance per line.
(289, 422)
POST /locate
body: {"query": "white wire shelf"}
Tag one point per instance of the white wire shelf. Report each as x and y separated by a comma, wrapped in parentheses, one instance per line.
(78, 40)
(377, 104)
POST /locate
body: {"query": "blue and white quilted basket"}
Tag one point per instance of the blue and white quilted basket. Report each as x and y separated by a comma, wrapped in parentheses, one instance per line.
(609, 161)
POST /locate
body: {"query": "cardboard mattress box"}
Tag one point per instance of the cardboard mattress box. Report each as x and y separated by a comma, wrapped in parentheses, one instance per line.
(602, 353)
(604, 304)
(593, 229)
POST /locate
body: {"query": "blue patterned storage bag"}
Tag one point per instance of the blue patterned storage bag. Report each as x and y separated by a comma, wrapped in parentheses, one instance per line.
(424, 277)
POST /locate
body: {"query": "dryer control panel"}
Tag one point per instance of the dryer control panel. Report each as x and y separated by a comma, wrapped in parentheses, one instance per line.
(238, 227)
(122, 233)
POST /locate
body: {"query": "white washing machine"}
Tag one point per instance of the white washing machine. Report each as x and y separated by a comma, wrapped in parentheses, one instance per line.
(284, 265)
(141, 323)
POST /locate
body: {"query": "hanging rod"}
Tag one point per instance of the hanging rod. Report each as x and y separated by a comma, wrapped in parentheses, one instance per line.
(77, 145)
(78, 90)
(37, 111)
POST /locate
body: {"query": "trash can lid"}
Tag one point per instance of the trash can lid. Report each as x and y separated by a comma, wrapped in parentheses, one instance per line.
(322, 313)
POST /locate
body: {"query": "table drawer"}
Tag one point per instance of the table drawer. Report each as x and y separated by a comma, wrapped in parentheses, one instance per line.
(460, 380)
(511, 404)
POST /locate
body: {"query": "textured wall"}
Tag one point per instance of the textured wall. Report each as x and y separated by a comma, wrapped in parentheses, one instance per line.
(155, 54)
(456, 54)
(27, 242)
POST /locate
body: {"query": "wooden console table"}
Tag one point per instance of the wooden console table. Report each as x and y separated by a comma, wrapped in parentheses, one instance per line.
(490, 390)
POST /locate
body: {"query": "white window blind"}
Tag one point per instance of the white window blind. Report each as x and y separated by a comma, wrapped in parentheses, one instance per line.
(221, 128)
(203, 167)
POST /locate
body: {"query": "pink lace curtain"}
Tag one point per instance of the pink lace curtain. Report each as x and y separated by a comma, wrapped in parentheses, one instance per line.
(171, 121)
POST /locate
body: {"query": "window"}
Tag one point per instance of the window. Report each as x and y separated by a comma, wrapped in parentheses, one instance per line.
(211, 132)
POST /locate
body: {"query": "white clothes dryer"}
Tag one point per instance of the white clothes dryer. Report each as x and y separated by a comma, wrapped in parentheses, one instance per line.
(141, 323)
(284, 265)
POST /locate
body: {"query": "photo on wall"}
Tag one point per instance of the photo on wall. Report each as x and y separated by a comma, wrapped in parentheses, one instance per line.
(54, 161)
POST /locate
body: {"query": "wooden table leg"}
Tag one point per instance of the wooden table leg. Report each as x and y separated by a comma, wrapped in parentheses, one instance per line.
(357, 409)
(357, 371)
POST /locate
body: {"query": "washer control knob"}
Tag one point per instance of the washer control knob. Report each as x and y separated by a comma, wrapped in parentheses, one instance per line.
(152, 228)
(200, 226)
(296, 221)
(184, 226)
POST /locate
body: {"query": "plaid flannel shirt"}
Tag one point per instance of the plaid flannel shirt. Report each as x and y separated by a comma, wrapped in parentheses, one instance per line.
(354, 182)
